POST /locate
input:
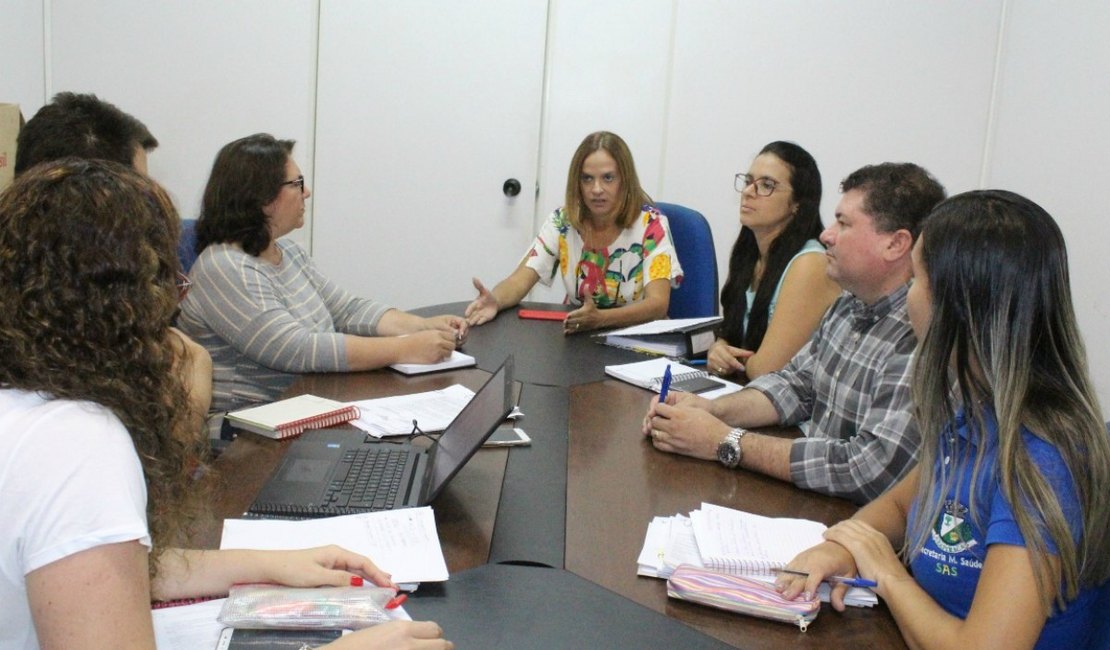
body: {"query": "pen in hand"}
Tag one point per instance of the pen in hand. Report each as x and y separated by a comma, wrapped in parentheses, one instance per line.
(665, 385)
(851, 582)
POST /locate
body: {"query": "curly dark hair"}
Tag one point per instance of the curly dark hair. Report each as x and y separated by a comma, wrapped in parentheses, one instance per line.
(88, 269)
(81, 125)
(805, 181)
(246, 176)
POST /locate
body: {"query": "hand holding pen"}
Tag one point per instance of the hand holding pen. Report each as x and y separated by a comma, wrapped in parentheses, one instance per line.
(665, 385)
(844, 580)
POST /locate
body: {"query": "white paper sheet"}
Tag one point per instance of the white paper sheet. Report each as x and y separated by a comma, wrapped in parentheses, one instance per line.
(402, 542)
(393, 416)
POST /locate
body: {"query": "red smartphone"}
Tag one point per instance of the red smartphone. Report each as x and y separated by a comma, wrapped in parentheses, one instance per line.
(542, 314)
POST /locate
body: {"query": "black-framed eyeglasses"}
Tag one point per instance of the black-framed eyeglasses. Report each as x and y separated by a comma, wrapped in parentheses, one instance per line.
(763, 186)
(297, 182)
(183, 283)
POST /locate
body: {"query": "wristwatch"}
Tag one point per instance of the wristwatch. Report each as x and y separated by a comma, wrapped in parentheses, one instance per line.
(729, 452)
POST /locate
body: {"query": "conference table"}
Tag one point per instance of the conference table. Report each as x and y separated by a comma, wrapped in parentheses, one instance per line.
(578, 499)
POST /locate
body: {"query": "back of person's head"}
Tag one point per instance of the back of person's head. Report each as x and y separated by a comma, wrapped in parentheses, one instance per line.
(804, 225)
(898, 196)
(632, 196)
(83, 126)
(88, 274)
(247, 175)
(1003, 327)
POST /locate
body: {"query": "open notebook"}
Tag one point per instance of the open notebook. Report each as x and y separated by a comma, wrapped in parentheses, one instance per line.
(456, 360)
(735, 542)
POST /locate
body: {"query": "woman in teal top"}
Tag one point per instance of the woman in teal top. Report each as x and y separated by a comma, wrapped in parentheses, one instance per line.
(777, 290)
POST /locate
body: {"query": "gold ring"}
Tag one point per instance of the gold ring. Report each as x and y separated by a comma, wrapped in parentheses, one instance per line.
(720, 370)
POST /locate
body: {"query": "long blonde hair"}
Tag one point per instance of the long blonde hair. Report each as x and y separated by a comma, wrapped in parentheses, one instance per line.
(1003, 330)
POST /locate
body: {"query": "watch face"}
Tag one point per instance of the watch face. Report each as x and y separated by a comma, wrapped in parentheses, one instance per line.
(727, 454)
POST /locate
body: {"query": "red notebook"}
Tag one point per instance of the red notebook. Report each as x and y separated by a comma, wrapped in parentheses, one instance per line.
(290, 417)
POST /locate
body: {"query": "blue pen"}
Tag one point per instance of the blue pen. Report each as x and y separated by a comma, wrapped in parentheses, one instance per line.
(696, 362)
(665, 385)
(851, 582)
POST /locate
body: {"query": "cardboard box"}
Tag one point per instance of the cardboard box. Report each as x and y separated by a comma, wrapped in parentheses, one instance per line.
(11, 120)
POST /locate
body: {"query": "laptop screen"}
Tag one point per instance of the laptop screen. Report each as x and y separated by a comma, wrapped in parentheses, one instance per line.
(471, 427)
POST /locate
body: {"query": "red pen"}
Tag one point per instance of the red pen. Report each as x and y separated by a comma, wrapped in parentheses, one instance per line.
(396, 601)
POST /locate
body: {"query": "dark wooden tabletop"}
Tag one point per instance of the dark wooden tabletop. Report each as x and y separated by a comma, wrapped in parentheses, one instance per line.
(615, 482)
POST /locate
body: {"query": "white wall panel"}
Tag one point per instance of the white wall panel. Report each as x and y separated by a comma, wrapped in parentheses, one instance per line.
(198, 73)
(425, 109)
(856, 82)
(1052, 144)
(21, 32)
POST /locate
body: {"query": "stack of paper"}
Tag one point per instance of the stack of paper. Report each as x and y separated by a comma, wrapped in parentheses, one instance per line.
(736, 542)
(394, 416)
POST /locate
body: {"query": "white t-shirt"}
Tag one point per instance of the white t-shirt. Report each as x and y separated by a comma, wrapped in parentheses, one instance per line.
(70, 480)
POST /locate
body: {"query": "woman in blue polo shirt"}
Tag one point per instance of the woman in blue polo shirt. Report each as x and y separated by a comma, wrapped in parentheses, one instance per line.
(1005, 523)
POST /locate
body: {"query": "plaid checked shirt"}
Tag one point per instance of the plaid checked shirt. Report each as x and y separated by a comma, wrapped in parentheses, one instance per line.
(852, 382)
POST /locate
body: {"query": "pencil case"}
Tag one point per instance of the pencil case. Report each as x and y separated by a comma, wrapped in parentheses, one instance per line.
(739, 594)
(262, 606)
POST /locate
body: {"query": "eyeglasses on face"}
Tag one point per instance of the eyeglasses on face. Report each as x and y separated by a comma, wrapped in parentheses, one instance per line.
(297, 182)
(763, 186)
(183, 283)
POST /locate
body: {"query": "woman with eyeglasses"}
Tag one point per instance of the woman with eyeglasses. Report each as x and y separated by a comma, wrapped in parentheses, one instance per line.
(1003, 528)
(608, 245)
(259, 305)
(97, 489)
(777, 290)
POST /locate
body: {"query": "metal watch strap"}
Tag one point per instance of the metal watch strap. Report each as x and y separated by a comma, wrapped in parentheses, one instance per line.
(730, 452)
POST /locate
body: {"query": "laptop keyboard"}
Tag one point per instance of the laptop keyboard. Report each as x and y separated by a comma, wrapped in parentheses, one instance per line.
(367, 477)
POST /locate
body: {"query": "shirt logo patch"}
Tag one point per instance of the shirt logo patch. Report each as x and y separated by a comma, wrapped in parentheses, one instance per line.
(952, 533)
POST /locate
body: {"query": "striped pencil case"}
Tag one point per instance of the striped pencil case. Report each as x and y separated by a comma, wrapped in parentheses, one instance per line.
(739, 594)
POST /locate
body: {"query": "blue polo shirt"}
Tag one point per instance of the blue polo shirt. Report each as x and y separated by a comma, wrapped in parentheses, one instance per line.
(949, 564)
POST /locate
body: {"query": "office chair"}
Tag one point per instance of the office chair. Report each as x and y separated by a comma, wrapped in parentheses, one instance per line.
(693, 242)
(187, 245)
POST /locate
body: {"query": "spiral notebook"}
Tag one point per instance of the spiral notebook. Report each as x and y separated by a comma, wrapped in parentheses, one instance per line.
(734, 542)
(289, 417)
(649, 374)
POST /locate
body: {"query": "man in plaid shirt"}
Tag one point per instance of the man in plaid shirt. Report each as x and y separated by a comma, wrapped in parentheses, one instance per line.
(851, 382)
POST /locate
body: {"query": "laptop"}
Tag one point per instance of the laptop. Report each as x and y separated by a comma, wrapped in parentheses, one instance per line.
(332, 472)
